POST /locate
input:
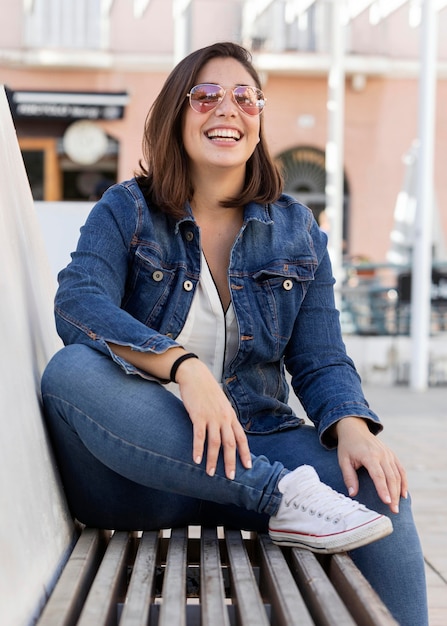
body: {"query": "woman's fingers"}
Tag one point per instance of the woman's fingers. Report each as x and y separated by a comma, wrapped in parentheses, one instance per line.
(242, 446)
(213, 449)
(357, 447)
(228, 438)
(229, 449)
(215, 424)
(199, 436)
(234, 442)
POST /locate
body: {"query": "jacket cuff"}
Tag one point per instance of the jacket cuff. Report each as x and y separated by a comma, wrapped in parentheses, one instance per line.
(352, 409)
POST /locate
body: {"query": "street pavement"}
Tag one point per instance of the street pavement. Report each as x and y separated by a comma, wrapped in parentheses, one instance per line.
(415, 426)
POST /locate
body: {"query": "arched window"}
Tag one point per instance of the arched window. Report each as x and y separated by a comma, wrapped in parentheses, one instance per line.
(304, 172)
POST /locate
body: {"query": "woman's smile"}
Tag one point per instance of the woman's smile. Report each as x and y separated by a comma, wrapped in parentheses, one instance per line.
(224, 134)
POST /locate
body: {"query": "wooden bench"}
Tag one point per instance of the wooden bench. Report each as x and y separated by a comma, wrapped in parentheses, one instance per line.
(207, 576)
(54, 572)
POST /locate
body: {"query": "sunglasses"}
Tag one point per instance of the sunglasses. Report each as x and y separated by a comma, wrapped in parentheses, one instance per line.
(205, 97)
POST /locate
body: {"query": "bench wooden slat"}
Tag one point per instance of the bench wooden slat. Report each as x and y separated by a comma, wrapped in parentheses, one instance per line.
(212, 591)
(358, 595)
(141, 587)
(173, 607)
(65, 603)
(324, 603)
(288, 606)
(101, 604)
(244, 588)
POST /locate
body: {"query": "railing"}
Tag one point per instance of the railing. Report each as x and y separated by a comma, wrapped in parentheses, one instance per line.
(376, 299)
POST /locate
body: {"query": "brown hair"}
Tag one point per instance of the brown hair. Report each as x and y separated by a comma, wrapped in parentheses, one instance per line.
(165, 178)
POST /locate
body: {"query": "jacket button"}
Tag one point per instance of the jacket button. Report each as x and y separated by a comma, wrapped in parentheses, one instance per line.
(187, 285)
(189, 235)
(157, 276)
(287, 284)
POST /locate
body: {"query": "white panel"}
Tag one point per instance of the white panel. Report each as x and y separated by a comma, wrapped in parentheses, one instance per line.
(35, 527)
(60, 223)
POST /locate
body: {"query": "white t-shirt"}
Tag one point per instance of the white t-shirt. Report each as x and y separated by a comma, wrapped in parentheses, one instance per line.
(209, 331)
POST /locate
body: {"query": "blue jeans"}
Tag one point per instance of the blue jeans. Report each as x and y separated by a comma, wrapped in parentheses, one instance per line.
(124, 449)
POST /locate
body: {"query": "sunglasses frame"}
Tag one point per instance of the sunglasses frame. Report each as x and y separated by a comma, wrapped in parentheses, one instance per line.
(258, 110)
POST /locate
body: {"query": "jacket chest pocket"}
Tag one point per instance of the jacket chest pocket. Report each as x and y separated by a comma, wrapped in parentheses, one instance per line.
(148, 288)
(279, 292)
(283, 279)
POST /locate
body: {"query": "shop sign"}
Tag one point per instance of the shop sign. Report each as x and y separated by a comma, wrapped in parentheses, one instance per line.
(67, 105)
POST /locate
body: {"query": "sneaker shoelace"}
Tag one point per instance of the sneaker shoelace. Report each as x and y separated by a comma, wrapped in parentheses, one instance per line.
(323, 502)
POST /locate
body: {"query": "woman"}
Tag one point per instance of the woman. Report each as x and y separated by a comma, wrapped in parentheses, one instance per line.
(192, 289)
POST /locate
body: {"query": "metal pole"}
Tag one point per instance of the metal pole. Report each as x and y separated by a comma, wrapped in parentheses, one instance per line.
(335, 142)
(423, 232)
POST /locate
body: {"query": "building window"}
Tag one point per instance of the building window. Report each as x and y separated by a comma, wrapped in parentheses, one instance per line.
(72, 24)
(304, 171)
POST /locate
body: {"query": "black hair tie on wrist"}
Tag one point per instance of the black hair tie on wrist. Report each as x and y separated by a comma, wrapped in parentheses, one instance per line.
(178, 362)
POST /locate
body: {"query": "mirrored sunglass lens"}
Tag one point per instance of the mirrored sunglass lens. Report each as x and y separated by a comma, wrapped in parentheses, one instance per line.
(250, 100)
(205, 97)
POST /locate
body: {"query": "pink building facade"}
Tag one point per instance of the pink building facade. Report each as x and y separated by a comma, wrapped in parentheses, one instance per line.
(102, 63)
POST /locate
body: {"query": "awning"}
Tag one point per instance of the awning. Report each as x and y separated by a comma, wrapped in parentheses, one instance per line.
(67, 105)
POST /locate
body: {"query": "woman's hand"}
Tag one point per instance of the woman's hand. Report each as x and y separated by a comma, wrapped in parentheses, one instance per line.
(358, 447)
(214, 419)
(211, 414)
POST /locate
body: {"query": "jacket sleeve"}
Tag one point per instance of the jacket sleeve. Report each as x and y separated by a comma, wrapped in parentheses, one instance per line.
(324, 377)
(88, 300)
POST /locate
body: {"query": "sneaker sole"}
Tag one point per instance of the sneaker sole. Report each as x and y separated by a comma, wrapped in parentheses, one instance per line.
(340, 542)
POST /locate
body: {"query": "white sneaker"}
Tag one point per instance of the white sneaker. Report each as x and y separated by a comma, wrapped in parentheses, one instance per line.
(314, 516)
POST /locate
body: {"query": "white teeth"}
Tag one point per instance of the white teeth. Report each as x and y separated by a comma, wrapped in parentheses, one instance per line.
(224, 133)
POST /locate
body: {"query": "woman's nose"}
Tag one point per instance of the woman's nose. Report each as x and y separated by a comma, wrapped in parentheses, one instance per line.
(227, 104)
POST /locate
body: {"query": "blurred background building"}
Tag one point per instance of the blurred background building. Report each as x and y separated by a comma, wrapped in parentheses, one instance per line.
(82, 74)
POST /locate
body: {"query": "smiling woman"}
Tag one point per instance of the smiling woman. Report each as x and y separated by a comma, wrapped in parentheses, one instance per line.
(166, 172)
(205, 282)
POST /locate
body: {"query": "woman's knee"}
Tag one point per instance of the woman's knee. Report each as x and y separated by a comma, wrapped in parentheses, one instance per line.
(70, 360)
(82, 375)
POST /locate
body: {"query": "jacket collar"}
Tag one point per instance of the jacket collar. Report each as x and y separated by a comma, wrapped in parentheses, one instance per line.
(253, 211)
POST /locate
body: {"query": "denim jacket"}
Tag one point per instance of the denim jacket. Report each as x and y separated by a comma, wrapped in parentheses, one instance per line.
(132, 279)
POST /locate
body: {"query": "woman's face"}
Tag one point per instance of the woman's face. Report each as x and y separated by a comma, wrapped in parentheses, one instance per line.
(225, 137)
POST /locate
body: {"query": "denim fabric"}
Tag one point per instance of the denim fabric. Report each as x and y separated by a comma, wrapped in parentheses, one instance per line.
(124, 449)
(132, 280)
